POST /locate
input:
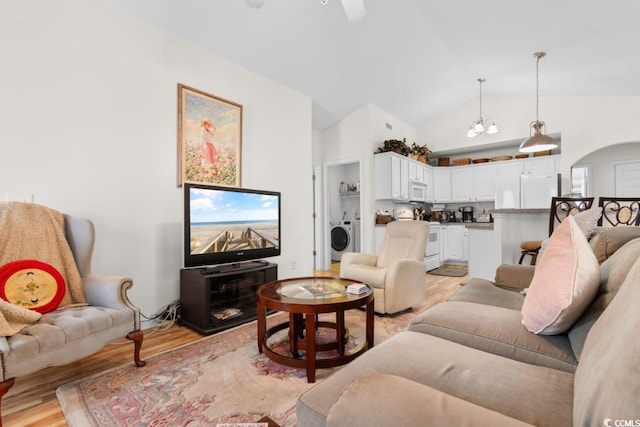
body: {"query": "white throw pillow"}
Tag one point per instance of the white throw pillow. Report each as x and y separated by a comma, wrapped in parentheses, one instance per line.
(564, 283)
(586, 220)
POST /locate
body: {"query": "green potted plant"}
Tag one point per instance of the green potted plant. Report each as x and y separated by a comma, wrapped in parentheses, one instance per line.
(396, 146)
(420, 152)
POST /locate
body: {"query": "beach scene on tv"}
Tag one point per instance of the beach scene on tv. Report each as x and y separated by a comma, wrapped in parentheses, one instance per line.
(223, 221)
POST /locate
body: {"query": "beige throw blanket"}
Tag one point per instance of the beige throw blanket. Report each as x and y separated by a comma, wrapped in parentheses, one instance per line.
(31, 231)
(14, 318)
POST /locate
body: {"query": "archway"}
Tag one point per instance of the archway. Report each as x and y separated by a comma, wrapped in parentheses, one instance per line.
(600, 165)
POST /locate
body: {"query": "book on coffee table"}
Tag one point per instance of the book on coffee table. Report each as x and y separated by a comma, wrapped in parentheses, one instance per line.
(324, 289)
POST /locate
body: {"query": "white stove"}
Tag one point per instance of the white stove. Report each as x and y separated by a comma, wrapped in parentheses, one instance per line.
(432, 254)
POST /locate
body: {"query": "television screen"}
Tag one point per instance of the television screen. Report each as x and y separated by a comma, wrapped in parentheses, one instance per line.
(227, 224)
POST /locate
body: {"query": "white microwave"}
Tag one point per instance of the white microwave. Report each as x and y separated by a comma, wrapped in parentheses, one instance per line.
(417, 191)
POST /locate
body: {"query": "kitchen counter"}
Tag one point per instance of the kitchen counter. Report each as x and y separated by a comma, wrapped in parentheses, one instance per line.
(513, 226)
(479, 225)
(519, 211)
(483, 259)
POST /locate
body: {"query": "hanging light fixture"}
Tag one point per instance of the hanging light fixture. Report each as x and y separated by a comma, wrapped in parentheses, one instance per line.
(478, 126)
(538, 141)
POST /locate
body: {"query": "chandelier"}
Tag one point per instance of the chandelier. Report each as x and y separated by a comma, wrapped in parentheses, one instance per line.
(478, 127)
(538, 141)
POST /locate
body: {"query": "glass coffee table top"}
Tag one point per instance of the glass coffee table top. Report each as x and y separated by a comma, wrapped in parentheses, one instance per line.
(316, 288)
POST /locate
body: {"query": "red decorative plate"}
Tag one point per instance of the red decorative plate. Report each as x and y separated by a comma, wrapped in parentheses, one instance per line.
(32, 284)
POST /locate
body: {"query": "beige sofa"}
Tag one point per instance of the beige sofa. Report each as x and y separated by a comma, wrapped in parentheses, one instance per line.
(470, 361)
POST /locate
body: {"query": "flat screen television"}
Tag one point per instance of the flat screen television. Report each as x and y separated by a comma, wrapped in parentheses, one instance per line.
(227, 224)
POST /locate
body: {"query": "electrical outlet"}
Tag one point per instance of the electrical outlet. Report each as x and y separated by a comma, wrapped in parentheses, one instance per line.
(293, 265)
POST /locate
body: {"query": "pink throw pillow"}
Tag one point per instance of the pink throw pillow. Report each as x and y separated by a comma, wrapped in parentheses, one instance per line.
(564, 283)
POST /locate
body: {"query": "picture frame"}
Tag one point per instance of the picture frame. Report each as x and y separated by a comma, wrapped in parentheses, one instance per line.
(209, 139)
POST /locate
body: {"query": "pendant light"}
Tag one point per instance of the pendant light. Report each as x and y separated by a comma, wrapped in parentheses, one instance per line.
(539, 141)
(478, 126)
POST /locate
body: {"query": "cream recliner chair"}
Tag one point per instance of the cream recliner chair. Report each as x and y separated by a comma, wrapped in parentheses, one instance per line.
(398, 273)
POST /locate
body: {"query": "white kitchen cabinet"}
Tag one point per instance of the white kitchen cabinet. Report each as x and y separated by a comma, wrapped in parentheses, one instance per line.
(461, 183)
(547, 165)
(455, 242)
(441, 184)
(509, 168)
(482, 254)
(465, 245)
(473, 183)
(416, 171)
(484, 183)
(391, 173)
(428, 180)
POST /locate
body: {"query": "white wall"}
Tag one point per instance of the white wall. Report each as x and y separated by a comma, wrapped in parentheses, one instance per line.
(357, 137)
(88, 127)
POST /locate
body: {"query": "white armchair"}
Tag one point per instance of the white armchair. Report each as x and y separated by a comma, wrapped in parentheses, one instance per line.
(398, 272)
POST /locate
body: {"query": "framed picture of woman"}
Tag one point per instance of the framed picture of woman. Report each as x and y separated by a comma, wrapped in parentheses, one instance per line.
(209, 138)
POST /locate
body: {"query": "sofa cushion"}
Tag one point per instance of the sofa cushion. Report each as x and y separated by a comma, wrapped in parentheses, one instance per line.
(483, 291)
(613, 272)
(606, 381)
(564, 283)
(606, 240)
(533, 394)
(495, 330)
(63, 335)
(419, 404)
(515, 277)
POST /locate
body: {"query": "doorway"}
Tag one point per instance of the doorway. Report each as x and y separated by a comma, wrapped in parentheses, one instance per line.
(627, 178)
(342, 206)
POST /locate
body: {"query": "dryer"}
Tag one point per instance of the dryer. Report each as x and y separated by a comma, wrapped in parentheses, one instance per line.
(342, 238)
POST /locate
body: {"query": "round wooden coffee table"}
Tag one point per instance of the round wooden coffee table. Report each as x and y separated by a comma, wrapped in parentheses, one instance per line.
(304, 298)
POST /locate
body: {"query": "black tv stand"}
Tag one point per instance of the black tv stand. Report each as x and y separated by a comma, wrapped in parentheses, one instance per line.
(218, 297)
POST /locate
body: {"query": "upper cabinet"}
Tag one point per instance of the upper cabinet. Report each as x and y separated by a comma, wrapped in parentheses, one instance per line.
(428, 180)
(509, 168)
(474, 183)
(441, 185)
(416, 171)
(391, 177)
(457, 184)
(483, 183)
(461, 183)
(540, 166)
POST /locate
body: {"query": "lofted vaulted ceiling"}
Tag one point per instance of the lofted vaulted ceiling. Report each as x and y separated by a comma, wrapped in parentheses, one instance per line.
(416, 59)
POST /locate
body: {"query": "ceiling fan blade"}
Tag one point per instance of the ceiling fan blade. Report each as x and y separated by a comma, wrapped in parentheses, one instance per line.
(256, 4)
(354, 9)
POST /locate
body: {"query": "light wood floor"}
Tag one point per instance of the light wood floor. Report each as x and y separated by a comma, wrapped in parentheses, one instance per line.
(32, 400)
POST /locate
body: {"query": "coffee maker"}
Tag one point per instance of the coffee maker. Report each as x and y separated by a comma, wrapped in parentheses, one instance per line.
(467, 213)
(449, 216)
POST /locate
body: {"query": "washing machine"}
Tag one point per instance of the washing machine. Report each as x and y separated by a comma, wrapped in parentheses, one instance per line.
(344, 238)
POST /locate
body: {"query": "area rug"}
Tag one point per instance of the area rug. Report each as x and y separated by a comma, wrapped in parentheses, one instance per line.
(221, 378)
(449, 271)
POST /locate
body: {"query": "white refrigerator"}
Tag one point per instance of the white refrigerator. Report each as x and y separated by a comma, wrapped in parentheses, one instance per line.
(526, 191)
